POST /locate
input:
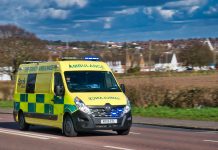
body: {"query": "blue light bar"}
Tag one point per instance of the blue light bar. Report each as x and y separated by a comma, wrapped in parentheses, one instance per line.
(94, 58)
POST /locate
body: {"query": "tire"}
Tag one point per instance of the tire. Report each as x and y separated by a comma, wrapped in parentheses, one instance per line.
(123, 132)
(22, 123)
(68, 128)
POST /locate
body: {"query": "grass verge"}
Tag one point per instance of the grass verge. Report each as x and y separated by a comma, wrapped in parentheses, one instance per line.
(6, 104)
(204, 114)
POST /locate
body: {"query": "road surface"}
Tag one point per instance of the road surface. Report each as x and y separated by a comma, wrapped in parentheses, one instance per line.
(140, 138)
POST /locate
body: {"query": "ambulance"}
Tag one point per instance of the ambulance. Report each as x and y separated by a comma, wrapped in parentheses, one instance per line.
(72, 95)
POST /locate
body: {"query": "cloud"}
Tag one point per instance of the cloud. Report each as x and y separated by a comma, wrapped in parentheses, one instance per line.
(108, 22)
(107, 25)
(212, 10)
(69, 3)
(186, 3)
(86, 20)
(77, 25)
(186, 6)
(148, 11)
(55, 13)
(128, 11)
(52, 28)
(183, 21)
(193, 9)
(171, 9)
(164, 13)
(36, 2)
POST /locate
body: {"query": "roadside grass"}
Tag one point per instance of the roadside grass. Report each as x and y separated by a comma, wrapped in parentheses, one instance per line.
(6, 104)
(204, 114)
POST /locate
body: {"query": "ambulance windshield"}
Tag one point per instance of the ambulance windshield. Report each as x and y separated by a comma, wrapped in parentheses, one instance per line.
(91, 81)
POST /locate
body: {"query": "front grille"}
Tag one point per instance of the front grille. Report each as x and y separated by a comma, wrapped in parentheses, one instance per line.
(101, 112)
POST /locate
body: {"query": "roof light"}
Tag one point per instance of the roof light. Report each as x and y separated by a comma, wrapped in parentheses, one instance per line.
(70, 58)
(94, 58)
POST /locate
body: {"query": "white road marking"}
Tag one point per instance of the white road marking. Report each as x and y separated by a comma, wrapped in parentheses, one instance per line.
(210, 141)
(208, 132)
(31, 135)
(134, 133)
(121, 148)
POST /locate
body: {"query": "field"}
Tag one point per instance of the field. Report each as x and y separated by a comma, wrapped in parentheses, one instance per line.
(174, 81)
(182, 90)
(6, 90)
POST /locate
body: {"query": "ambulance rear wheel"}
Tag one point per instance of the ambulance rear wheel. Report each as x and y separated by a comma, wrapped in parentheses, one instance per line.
(68, 127)
(123, 132)
(21, 121)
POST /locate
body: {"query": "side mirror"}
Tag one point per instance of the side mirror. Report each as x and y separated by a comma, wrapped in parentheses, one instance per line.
(122, 86)
(59, 90)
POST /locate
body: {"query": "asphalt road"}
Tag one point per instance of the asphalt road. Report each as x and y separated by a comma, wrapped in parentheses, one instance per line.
(140, 138)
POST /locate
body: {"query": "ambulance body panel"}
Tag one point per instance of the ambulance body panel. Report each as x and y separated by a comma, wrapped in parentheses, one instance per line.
(86, 91)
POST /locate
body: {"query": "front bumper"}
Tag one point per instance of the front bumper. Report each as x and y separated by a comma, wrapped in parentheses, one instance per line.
(85, 122)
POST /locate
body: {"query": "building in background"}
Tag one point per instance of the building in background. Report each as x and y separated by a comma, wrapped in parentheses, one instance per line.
(116, 66)
(172, 66)
(4, 73)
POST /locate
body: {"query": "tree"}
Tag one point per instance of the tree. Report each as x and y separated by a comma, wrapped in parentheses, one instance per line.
(197, 54)
(9, 30)
(17, 48)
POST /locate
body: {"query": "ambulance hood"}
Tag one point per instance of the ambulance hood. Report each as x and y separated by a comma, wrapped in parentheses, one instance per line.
(101, 98)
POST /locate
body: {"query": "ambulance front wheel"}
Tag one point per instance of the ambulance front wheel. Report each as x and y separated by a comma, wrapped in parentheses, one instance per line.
(21, 121)
(68, 128)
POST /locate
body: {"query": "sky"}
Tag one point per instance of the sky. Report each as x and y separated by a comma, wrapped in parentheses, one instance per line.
(113, 20)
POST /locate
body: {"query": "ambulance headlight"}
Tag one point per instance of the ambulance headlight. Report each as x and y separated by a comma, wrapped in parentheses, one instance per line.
(127, 108)
(81, 106)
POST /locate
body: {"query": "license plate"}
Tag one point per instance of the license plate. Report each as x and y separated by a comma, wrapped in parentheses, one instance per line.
(108, 121)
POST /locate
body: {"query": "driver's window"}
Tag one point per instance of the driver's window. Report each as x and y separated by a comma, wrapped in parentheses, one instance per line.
(110, 82)
(58, 82)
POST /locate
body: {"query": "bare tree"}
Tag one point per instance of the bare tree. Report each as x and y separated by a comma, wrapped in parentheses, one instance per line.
(17, 48)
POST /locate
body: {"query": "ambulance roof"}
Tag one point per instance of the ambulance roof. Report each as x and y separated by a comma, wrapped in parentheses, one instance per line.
(74, 65)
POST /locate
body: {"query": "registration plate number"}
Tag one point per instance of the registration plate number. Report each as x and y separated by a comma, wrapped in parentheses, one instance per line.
(108, 121)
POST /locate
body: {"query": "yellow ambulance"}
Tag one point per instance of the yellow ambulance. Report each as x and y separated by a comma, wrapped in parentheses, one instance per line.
(73, 95)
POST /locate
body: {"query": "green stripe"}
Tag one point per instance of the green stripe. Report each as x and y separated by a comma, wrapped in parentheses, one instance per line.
(23, 97)
(69, 108)
(46, 108)
(16, 106)
(51, 111)
(40, 98)
(31, 107)
(58, 100)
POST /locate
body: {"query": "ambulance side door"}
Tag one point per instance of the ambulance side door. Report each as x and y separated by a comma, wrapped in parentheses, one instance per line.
(58, 94)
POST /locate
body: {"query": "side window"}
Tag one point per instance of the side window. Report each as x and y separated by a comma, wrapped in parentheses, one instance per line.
(31, 80)
(58, 84)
